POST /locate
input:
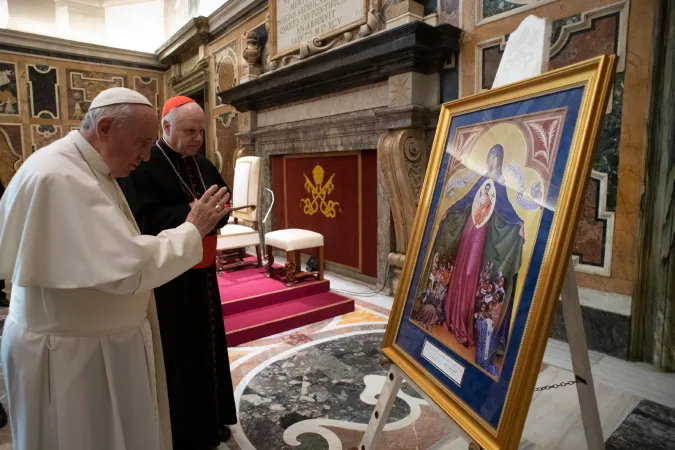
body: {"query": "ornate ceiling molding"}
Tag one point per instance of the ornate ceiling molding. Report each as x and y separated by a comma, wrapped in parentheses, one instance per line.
(19, 41)
(193, 34)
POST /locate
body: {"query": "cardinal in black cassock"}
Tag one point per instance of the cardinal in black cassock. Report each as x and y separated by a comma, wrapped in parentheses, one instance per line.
(159, 192)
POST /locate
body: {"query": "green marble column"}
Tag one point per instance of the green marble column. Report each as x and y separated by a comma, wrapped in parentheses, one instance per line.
(653, 315)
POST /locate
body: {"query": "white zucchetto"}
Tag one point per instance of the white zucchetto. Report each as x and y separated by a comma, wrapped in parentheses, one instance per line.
(119, 96)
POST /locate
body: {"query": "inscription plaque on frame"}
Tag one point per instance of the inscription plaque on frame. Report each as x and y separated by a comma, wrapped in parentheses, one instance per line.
(293, 22)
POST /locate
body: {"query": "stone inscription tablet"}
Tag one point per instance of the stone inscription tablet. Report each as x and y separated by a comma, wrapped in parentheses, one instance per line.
(299, 21)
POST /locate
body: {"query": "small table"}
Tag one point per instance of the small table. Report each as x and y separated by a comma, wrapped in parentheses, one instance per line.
(293, 241)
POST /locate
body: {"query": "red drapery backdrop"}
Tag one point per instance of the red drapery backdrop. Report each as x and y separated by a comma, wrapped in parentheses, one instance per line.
(304, 186)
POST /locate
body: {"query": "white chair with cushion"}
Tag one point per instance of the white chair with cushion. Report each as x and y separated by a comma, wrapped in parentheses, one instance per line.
(234, 238)
(293, 241)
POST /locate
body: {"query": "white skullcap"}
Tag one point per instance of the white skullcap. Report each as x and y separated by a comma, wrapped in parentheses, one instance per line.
(118, 96)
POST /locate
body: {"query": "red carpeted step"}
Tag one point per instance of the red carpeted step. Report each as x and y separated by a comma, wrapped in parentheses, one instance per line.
(258, 323)
(267, 292)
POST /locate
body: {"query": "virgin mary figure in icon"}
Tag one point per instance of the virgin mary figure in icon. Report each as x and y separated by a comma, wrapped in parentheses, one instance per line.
(482, 232)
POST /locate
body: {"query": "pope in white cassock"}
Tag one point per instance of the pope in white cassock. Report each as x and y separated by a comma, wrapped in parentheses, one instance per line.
(81, 348)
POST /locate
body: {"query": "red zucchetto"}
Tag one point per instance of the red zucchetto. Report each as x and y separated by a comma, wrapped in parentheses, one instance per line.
(175, 102)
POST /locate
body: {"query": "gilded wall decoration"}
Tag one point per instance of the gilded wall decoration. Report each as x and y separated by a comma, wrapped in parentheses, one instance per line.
(43, 91)
(318, 194)
(9, 93)
(573, 39)
(226, 73)
(43, 135)
(83, 86)
(226, 143)
(149, 87)
(10, 151)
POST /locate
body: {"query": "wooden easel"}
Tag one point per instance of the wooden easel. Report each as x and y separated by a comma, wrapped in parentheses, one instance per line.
(570, 303)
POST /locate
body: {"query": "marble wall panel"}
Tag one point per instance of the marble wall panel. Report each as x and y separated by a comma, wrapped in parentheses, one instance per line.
(489, 10)
(84, 85)
(449, 12)
(450, 80)
(9, 92)
(149, 87)
(576, 38)
(43, 135)
(43, 91)
(357, 99)
(226, 128)
(11, 154)
(225, 70)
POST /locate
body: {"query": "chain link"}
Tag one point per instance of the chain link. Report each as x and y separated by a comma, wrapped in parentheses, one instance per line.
(559, 385)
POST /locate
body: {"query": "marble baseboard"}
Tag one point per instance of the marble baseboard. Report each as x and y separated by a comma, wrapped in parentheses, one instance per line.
(606, 332)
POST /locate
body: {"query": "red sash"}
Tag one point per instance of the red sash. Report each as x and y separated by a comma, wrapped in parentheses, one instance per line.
(209, 244)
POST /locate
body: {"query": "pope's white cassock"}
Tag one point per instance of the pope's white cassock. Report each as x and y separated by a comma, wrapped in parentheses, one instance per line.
(81, 347)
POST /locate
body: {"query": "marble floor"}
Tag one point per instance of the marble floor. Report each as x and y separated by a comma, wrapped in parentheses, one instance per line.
(314, 388)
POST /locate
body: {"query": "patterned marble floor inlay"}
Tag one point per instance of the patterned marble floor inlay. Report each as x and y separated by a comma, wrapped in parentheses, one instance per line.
(306, 396)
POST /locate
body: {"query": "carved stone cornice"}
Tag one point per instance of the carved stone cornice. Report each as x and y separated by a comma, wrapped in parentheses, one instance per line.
(19, 41)
(193, 80)
(413, 47)
(232, 12)
(193, 34)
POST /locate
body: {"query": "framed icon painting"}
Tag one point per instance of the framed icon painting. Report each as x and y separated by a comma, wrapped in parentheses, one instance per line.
(490, 245)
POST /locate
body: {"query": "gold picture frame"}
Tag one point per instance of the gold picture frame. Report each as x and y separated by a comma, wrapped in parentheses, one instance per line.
(272, 30)
(590, 81)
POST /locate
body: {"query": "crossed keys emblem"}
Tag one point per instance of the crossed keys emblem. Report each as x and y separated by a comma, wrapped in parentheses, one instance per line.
(318, 192)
